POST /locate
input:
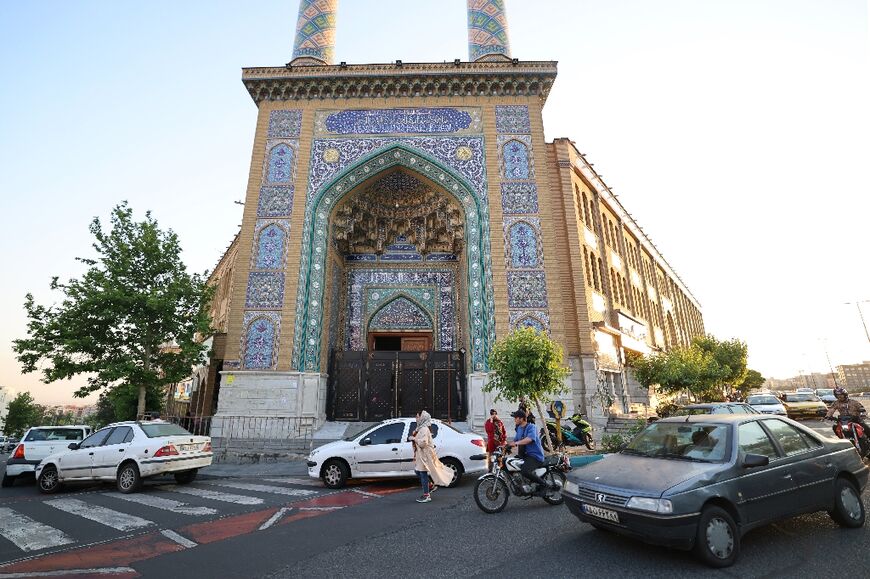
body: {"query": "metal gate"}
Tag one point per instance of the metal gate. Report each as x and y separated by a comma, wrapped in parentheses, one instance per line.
(375, 385)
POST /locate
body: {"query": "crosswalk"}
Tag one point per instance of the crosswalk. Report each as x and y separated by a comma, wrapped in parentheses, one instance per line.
(26, 527)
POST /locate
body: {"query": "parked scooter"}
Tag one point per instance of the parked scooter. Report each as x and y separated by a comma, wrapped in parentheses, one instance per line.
(846, 427)
(492, 491)
(583, 430)
(568, 438)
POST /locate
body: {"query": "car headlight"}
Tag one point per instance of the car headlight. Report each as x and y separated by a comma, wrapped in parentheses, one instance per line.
(572, 488)
(662, 506)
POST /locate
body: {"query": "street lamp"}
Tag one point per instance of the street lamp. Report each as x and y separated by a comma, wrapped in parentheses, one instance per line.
(861, 315)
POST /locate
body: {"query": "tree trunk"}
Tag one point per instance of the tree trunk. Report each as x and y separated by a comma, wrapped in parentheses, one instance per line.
(543, 425)
(140, 408)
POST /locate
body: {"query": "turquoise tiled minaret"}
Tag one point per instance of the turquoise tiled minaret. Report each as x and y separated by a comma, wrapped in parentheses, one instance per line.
(487, 30)
(315, 32)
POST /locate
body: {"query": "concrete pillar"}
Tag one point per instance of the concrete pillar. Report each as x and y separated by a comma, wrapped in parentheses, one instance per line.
(315, 32)
(487, 30)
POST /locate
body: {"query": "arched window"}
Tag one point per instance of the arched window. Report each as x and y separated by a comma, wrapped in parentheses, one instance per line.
(516, 160)
(280, 164)
(270, 249)
(524, 245)
(259, 344)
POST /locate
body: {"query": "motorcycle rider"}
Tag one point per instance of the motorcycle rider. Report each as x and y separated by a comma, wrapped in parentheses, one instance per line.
(847, 407)
(529, 449)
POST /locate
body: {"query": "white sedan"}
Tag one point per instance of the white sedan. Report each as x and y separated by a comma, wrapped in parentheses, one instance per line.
(383, 451)
(767, 404)
(126, 453)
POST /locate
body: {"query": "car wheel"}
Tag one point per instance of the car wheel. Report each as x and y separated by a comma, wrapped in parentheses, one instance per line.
(491, 494)
(457, 469)
(49, 482)
(129, 480)
(8, 481)
(555, 497)
(185, 477)
(848, 508)
(335, 474)
(717, 542)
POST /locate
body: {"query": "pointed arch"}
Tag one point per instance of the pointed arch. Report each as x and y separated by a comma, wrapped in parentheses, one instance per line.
(280, 165)
(516, 158)
(271, 243)
(309, 311)
(525, 247)
(416, 315)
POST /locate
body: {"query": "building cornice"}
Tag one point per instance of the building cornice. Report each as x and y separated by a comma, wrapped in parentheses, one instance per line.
(400, 80)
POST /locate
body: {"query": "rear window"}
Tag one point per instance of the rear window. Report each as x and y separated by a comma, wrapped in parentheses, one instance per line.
(762, 400)
(155, 430)
(48, 434)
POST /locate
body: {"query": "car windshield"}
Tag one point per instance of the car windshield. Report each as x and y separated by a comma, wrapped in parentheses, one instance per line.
(801, 398)
(54, 434)
(163, 429)
(758, 400)
(697, 442)
(828, 392)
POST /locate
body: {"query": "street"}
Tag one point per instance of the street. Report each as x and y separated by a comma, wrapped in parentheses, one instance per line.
(287, 525)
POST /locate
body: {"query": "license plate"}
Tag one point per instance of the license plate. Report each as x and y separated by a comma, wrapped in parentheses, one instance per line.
(189, 447)
(605, 514)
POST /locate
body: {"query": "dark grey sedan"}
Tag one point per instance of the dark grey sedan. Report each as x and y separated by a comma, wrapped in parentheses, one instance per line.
(702, 482)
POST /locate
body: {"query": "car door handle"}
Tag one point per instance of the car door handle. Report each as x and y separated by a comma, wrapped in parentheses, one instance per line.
(786, 476)
(120, 450)
(90, 454)
(395, 450)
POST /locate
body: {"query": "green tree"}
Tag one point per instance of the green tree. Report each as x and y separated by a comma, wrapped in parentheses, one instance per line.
(131, 319)
(527, 363)
(705, 369)
(752, 381)
(23, 413)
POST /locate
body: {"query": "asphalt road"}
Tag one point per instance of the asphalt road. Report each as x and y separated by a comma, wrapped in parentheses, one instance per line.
(285, 527)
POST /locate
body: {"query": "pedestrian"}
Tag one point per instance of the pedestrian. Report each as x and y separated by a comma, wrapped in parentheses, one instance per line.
(526, 408)
(426, 463)
(496, 435)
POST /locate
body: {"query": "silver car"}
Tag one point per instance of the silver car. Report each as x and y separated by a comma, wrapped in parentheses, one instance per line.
(702, 482)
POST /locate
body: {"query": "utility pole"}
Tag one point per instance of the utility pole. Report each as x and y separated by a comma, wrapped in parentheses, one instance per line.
(861, 315)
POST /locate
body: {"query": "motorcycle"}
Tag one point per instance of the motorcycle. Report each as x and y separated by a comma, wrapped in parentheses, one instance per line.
(492, 491)
(583, 430)
(846, 427)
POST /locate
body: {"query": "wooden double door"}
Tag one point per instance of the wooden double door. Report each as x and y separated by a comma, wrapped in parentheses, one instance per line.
(400, 342)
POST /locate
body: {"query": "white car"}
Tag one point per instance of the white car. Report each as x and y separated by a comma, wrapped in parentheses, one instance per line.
(767, 404)
(383, 451)
(37, 443)
(126, 453)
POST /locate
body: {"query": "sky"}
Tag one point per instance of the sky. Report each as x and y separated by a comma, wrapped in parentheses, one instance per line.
(734, 131)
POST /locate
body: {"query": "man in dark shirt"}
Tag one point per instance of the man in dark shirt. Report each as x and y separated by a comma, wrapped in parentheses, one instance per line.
(528, 448)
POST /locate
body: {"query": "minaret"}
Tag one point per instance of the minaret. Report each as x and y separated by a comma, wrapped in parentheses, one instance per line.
(487, 30)
(315, 32)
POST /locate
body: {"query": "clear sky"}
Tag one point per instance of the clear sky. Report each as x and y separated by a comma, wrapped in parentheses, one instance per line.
(735, 131)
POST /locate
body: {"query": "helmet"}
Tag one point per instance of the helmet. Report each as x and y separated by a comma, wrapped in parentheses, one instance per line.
(840, 392)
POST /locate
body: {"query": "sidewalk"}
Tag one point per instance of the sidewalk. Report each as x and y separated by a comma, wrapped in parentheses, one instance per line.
(228, 470)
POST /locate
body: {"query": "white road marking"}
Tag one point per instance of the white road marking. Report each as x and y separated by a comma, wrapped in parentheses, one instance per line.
(29, 535)
(213, 495)
(164, 504)
(68, 572)
(98, 514)
(365, 494)
(262, 488)
(306, 482)
(183, 541)
(275, 518)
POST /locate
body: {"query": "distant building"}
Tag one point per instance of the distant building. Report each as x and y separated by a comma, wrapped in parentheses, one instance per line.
(816, 381)
(854, 377)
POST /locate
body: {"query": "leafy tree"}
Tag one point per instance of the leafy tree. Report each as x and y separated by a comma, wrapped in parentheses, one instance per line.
(23, 413)
(704, 369)
(752, 381)
(527, 363)
(130, 320)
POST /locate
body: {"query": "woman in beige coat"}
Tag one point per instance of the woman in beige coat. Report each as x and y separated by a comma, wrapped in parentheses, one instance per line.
(426, 462)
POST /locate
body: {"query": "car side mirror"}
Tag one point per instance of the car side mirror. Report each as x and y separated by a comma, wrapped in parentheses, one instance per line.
(755, 460)
(365, 442)
(73, 446)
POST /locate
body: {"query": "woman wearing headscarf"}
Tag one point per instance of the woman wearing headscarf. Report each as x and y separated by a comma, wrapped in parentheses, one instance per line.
(426, 463)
